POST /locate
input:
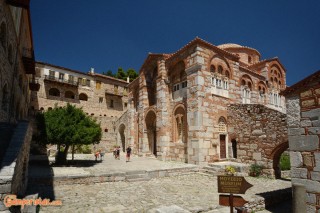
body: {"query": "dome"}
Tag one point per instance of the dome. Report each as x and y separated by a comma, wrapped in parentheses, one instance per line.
(229, 45)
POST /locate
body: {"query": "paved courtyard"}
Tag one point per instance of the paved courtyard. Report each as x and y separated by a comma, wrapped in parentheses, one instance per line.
(190, 192)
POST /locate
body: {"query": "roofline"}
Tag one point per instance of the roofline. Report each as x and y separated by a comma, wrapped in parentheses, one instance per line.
(83, 73)
(153, 55)
(242, 47)
(301, 84)
(198, 40)
(268, 60)
(252, 72)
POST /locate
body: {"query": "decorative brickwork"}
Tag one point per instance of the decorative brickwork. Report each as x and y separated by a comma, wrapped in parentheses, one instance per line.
(179, 103)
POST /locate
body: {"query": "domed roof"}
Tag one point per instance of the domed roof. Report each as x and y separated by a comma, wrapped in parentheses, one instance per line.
(229, 45)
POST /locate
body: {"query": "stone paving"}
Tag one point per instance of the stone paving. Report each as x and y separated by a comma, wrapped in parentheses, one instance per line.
(189, 192)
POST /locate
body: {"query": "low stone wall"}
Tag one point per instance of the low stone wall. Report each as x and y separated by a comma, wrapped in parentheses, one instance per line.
(14, 168)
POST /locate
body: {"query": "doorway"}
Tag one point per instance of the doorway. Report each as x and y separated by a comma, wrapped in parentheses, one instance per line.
(223, 151)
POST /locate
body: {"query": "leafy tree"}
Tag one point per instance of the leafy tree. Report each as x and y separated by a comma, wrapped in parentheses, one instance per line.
(131, 73)
(67, 126)
(109, 73)
(121, 74)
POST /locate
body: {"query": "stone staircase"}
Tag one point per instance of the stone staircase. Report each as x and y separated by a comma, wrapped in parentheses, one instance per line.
(218, 168)
(133, 176)
(6, 132)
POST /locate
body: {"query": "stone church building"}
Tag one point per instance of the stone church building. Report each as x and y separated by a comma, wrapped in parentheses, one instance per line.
(183, 106)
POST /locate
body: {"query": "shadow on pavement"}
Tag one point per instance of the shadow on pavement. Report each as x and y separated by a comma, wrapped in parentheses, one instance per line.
(79, 163)
(278, 201)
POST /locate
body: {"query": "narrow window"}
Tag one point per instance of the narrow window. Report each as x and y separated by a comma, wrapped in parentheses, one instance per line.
(98, 84)
(111, 103)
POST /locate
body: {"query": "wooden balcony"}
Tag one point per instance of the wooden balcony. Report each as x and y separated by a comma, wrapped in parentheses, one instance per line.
(19, 3)
(28, 61)
(34, 85)
(48, 78)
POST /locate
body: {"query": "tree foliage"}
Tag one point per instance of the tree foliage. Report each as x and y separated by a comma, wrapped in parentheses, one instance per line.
(67, 126)
(122, 74)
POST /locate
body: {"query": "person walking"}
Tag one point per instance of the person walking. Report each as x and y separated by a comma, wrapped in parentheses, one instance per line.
(128, 153)
(118, 153)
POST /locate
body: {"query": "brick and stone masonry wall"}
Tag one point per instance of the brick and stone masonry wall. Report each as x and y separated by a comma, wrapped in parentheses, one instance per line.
(304, 132)
(14, 168)
(258, 131)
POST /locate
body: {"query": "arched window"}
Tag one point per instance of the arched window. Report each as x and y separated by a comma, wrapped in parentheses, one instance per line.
(3, 35)
(212, 69)
(69, 94)
(249, 59)
(83, 97)
(220, 69)
(54, 92)
(227, 74)
(180, 125)
(4, 104)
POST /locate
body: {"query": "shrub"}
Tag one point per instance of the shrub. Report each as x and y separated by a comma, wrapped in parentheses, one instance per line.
(230, 170)
(285, 162)
(256, 170)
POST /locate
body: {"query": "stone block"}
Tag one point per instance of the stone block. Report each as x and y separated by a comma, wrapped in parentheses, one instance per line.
(314, 130)
(316, 123)
(308, 103)
(305, 123)
(311, 185)
(5, 188)
(293, 111)
(310, 208)
(311, 198)
(308, 160)
(299, 173)
(256, 156)
(296, 159)
(296, 131)
(314, 113)
(315, 176)
(307, 93)
(303, 143)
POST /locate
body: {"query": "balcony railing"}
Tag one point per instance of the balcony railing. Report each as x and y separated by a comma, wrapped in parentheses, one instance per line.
(64, 81)
(114, 92)
(28, 61)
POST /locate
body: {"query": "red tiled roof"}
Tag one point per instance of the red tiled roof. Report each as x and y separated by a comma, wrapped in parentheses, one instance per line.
(315, 77)
(237, 46)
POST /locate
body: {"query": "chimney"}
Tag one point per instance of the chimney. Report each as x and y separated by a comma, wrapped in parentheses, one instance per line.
(92, 71)
(128, 79)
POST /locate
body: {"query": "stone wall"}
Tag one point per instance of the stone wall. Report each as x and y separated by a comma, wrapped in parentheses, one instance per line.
(14, 167)
(259, 132)
(303, 110)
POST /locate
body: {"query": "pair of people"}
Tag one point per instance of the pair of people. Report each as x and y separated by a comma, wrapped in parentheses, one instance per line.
(116, 153)
(99, 155)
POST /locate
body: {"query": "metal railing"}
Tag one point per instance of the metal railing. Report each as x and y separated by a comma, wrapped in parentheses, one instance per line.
(52, 78)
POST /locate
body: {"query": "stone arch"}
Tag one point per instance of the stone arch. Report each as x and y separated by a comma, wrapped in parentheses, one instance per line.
(83, 97)
(275, 156)
(3, 35)
(151, 121)
(180, 124)
(121, 131)
(69, 94)
(218, 61)
(248, 80)
(54, 92)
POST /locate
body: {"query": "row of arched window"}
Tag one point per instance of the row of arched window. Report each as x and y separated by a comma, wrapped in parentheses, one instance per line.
(68, 94)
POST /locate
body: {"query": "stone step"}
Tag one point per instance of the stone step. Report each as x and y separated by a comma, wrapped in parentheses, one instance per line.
(138, 172)
(134, 176)
(138, 179)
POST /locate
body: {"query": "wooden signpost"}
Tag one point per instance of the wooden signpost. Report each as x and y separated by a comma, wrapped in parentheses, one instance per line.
(232, 185)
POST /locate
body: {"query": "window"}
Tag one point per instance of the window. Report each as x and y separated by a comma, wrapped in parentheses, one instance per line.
(51, 74)
(111, 103)
(54, 92)
(100, 99)
(61, 76)
(184, 84)
(71, 79)
(80, 80)
(115, 89)
(246, 95)
(212, 69)
(98, 84)
(83, 97)
(125, 105)
(249, 59)
(220, 69)
(222, 124)
(88, 83)
(69, 94)
(84, 82)
(176, 87)
(219, 83)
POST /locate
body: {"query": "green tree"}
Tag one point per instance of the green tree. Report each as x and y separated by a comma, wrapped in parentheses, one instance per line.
(67, 127)
(131, 73)
(121, 74)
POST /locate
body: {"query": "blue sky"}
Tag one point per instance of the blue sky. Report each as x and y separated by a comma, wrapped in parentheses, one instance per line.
(108, 34)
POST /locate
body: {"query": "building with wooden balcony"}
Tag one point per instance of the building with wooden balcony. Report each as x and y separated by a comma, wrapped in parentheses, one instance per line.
(17, 60)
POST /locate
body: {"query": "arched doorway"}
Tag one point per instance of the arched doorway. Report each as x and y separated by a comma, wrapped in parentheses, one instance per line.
(179, 129)
(275, 156)
(122, 127)
(151, 131)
